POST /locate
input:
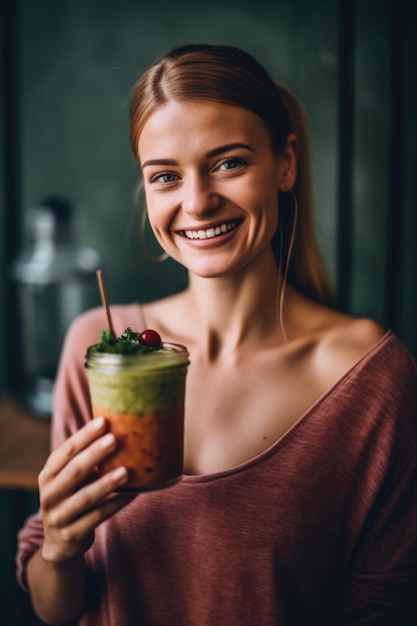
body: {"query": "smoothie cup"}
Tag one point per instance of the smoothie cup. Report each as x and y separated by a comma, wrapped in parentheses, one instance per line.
(142, 398)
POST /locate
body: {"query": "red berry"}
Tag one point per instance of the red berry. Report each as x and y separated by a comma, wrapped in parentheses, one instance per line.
(150, 338)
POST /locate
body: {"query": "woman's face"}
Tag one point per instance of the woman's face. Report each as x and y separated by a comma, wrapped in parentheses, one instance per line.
(211, 183)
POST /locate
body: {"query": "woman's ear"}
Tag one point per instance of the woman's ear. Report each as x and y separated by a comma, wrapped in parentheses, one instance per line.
(288, 169)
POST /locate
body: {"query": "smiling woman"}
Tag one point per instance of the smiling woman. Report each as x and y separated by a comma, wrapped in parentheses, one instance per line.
(299, 496)
(243, 83)
(205, 167)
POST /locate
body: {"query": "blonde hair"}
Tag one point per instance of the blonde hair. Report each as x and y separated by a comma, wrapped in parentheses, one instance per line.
(228, 75)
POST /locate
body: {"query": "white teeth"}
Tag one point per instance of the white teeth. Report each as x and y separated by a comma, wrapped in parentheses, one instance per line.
(210, 232)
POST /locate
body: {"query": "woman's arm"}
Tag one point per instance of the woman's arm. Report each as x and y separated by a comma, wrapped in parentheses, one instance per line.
(74, 500)
(52, 567)
(381, 589)
(57, 592)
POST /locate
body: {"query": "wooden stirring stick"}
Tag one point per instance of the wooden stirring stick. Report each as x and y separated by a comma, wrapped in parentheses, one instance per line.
(105, 302)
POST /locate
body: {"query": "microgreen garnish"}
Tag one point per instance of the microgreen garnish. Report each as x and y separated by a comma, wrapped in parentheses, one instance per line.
(129, 342)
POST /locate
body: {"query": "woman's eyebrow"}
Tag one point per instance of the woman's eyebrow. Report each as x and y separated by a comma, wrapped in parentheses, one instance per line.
(159, 162)
(229, 146)
(210, 153)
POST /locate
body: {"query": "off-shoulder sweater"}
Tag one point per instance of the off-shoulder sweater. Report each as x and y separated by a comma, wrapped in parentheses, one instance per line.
(320, 528)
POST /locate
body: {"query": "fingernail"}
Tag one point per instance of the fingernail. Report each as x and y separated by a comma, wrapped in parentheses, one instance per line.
(120, 472)
(98, 423)
(108, 441)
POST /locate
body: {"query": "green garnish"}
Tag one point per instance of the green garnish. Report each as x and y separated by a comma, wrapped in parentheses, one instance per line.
(127, 343)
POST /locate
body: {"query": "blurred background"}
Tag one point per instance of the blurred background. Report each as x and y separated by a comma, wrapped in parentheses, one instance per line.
(68, 179)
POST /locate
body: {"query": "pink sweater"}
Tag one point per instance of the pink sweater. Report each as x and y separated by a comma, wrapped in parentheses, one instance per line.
(319, 529)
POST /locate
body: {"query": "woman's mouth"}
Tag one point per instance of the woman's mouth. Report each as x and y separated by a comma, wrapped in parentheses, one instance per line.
(210, 233)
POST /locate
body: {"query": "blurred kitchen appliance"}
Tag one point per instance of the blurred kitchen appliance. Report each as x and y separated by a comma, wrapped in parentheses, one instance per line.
(55, 281)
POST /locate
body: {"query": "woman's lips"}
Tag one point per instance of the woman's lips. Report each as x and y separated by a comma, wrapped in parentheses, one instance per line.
(210, 232)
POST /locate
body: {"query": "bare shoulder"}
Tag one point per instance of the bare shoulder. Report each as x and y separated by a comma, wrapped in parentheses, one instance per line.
(354, 336)
(344, 343)
(338, 338)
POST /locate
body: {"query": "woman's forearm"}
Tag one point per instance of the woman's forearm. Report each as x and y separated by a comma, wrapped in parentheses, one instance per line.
(57, 590)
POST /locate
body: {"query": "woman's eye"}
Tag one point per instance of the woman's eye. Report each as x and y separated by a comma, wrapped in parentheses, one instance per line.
(231, 164)
(164, 177)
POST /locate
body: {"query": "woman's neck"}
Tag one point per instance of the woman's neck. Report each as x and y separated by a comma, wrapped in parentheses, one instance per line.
(237, 313)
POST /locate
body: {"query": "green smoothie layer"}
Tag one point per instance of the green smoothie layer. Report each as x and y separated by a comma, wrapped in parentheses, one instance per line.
(136, 372)
(137, 390)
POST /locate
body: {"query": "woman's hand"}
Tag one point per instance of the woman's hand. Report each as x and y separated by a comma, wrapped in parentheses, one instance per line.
(74, 499)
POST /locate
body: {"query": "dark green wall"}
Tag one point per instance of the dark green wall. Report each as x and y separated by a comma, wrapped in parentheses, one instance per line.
(80, 60)
(75, 63)
(351, 63)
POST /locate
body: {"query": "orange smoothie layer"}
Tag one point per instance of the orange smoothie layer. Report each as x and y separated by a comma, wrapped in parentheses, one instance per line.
(150, 445)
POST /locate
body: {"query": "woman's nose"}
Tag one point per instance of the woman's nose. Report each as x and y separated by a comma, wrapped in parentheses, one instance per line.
(199, 197)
